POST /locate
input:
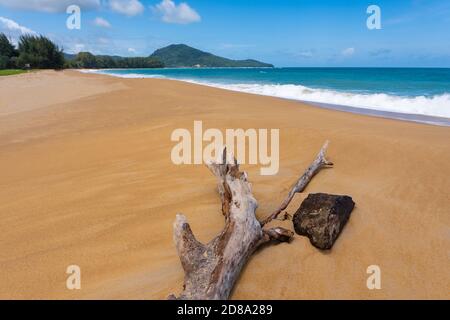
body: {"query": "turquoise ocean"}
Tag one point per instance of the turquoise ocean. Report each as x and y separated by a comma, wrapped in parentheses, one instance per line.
(418, 94)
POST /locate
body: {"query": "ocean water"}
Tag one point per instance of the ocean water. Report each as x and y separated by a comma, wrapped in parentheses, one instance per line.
(397, 91)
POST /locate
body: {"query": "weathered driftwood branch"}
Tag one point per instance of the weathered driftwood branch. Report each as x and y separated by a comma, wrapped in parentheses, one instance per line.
(211, 269)
(302, 182)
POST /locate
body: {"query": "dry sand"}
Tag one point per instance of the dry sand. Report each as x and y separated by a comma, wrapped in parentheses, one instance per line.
(86, 179)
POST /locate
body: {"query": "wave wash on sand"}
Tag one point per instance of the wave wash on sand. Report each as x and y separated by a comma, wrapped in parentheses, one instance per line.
(371, 95)
(438, 106)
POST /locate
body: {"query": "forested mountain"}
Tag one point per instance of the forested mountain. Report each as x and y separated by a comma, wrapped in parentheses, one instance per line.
(181, 55)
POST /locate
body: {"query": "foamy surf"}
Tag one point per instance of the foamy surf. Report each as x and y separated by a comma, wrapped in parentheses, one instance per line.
(436, 106)
(122, 75)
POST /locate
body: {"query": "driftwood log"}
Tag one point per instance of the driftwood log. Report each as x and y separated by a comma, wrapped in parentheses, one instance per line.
(211, 269)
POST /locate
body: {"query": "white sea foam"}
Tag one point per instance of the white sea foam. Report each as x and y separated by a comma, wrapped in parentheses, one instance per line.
(88, 70)
(121, 75)
(438, 106)
(136, 76)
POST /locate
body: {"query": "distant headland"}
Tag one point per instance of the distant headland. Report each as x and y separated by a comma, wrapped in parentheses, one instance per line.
(181, 55)
(172, 56)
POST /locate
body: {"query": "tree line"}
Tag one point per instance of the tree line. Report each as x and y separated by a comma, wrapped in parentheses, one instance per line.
(90, 61)
(39, 52)
(31, 52)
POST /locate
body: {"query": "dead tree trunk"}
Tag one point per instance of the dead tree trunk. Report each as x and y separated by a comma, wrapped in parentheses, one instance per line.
(211, 269)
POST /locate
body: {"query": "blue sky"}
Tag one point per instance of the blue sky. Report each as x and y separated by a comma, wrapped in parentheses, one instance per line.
(282, 32)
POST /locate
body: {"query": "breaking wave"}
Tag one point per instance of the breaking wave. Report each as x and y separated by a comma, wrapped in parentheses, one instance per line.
(438, 106)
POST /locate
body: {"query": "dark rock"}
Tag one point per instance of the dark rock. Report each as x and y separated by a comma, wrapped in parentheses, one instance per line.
(321, 217)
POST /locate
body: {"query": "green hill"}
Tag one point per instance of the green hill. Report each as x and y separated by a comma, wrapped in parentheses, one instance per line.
(181, 55)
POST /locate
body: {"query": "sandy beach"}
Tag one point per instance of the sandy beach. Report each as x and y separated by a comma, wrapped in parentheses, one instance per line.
(87, 179)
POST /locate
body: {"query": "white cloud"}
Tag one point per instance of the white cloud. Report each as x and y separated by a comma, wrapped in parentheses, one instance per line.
(235, 46)
(348, 52)
(102, 23)
(131, 50)
(126, 7)
(78, 47)
(305, 54)
(172, 13)
(103, 40)
(50, 5)
(12, 28)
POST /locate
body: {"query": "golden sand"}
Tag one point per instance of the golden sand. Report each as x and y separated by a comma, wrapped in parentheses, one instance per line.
(87, 179)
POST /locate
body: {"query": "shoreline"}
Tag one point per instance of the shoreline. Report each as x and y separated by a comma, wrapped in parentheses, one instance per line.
(410, 117)
(87, 179)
